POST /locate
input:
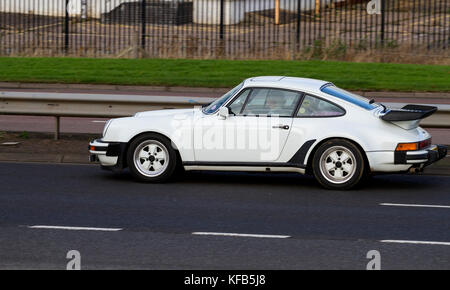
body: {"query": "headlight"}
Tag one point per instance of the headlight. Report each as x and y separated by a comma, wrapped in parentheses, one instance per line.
(106, 127)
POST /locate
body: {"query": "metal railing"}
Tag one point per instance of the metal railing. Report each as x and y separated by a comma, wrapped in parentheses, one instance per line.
(235, 29)
(105, 106)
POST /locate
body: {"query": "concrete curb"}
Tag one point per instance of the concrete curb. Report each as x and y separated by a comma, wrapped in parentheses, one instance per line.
(43, 86)
(45, 158)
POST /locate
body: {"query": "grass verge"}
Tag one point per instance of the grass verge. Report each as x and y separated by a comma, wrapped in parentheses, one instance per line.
(223, 73)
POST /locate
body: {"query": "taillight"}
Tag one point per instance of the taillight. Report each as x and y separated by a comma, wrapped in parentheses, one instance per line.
(425, 143)
(413, 146)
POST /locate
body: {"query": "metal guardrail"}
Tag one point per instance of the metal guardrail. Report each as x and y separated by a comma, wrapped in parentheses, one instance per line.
(89, 105)
(105, 106)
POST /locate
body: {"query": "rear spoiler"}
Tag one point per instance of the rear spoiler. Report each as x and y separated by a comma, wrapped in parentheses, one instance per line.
(409, 113)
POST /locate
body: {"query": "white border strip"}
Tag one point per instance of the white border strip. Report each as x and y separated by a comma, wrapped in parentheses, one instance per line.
(240, 235)
(416, 205)
(416, 242)
(75, 228)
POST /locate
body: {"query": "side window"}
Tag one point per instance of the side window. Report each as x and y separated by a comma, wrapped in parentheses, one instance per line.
(238, 103)
(272, 102)
(256, 101)
(315, 107)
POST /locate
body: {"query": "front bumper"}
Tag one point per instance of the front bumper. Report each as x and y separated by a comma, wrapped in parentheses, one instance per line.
(421, 158)
(109, 154)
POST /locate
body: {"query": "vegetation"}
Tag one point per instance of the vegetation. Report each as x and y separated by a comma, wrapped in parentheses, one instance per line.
(223, 73)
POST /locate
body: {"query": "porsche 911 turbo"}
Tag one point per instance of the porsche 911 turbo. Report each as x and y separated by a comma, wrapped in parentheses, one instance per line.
(273, 124)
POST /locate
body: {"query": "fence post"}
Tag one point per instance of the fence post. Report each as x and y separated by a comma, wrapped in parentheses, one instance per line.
(66, 28)
(383, 18)
(57, 128)
(277, 12)
(298, 21)
(222, 7)
(144, 24)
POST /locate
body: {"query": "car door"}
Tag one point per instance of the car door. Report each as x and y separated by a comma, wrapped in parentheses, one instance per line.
(314, 118)
(255, 131)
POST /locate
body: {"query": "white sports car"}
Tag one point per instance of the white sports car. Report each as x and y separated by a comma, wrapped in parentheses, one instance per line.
(273, 124)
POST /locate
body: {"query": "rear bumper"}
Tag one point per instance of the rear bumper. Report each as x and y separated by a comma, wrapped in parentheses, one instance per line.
(404, 161)
(421, 157)
(109, 154)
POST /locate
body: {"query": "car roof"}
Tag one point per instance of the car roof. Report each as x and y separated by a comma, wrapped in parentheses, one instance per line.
(286, 82)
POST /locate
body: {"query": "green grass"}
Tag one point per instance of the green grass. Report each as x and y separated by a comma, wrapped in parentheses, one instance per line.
(223, 73)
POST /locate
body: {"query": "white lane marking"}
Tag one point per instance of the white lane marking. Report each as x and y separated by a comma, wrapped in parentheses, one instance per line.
(416, 205)
(240, 235)
(416, 242)
(75, 228)
(98, 121)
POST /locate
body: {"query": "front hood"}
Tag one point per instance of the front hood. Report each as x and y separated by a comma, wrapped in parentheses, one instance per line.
(168, 112)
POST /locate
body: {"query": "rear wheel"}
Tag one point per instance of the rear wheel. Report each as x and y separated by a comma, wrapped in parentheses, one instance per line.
(151, 158)
(338, 164)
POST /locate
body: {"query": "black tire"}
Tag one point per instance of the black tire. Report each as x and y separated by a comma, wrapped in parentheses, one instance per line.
(160, 141)
(339, 176)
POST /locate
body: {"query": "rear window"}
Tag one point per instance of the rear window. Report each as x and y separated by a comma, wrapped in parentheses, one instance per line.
(349, 97)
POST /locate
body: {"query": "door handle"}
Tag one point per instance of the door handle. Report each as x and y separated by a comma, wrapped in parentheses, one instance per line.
(284, 127)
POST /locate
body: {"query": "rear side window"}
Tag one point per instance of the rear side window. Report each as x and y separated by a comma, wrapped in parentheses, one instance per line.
(347, 96)
(315, 107)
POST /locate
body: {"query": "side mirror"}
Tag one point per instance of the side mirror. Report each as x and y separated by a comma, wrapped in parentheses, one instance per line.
(224, 112)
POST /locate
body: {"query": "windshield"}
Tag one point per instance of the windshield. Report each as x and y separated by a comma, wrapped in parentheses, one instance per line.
(214, 106)
(349, 97)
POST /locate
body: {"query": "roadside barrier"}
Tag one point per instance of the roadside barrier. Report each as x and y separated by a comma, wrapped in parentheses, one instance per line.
(105, 106)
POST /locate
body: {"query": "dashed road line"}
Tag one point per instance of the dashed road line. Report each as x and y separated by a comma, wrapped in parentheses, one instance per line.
(416, 242)
(241, 235)
(415, 205)
(75, 228)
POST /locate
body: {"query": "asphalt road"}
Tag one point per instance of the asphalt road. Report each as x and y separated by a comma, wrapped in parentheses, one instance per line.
(325, 229)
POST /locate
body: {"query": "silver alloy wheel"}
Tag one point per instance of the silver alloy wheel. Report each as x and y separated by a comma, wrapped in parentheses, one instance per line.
(337, 164)
(151, 158)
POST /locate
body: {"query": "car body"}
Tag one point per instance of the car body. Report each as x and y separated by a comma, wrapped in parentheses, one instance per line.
(306, 126)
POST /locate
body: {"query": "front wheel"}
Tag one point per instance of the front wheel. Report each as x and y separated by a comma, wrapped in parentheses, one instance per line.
(338, 164)
(151, 158)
